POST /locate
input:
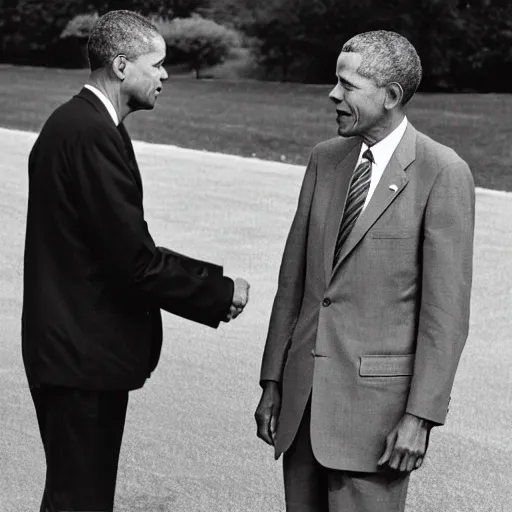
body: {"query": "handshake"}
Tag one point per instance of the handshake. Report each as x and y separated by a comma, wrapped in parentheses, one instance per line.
(240, 298)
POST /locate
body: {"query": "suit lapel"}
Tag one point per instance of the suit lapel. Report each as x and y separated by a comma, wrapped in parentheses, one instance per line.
(131, 155)
(340, 183)
(383, 196)
(93, 100)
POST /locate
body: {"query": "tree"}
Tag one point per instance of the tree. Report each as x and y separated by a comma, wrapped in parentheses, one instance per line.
(459, 41)
(303, 37)
(489, 58)
(30, 28)
(199, 41)
(80, 26)
(166, 9)
(77, 33)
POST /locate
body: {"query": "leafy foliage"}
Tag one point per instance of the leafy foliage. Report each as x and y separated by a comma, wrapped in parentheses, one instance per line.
(163, 8)
(463, 44)
(80, 26)
(460, 42)
(30, 28)
(199, 41)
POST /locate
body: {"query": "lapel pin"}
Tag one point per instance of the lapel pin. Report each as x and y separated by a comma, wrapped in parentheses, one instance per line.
(394, 188)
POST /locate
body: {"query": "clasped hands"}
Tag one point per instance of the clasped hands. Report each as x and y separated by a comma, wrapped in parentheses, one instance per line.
(240, 298)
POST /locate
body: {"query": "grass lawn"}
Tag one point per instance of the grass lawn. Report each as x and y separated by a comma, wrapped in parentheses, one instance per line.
(270, 120)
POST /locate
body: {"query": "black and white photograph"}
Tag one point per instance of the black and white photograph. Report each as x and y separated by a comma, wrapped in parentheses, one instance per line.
(255, 256)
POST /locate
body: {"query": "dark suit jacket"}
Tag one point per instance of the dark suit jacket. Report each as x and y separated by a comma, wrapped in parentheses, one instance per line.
(381, 334)
(94, 281)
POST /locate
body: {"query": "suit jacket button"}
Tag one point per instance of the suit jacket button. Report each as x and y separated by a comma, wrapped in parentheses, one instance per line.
(313, 353)
(326, 302)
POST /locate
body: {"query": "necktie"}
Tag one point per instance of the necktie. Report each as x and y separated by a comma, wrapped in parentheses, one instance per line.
(131, 154)
(358, 190)
(127, 143)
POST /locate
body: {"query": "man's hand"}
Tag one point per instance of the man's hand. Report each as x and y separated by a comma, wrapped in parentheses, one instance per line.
(240, 298)
(267, 412)
(407, 443)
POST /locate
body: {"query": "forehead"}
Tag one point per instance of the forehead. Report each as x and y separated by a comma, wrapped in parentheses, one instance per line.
(155, 50)
(348, 63)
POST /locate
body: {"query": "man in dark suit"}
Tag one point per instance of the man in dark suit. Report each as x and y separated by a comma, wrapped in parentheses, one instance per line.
(94, 281)
(372, 307)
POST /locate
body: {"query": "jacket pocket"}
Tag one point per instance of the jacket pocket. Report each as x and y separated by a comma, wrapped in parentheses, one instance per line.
(386, 366)
(391, 234)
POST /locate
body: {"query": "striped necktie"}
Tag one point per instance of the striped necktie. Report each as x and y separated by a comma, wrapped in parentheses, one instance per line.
(358, 190)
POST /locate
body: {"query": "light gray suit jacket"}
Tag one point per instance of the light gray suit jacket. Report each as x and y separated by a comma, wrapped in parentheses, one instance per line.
(383, 332)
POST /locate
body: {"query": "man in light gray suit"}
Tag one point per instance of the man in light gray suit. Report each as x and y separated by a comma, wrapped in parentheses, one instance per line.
(372, 307)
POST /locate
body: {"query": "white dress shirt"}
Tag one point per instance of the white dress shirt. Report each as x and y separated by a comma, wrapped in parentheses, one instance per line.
(106, 102)
(382, 153)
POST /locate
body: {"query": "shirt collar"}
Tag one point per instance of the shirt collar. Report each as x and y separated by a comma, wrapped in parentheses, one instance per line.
(384, 149)
(105, 101)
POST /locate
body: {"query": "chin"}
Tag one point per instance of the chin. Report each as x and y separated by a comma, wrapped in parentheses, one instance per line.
(141, 105)
(146, 106)
(345, 132)
(348, 130)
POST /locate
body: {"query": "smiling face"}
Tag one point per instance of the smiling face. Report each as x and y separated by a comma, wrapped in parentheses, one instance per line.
(360, 102)
(144, 75)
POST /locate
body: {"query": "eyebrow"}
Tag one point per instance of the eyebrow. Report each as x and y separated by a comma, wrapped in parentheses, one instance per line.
(344, 81)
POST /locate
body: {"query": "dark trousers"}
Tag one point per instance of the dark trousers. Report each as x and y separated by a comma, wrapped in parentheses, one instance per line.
(81, 432)
(310, 487)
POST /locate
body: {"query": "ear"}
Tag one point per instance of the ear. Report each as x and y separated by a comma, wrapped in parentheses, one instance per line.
(119, 67)
(394, 96)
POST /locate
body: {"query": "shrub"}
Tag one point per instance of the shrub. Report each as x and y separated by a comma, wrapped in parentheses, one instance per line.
(72, 47)
(198, 41)
(168, 9)
(80, 26)
(31, 28)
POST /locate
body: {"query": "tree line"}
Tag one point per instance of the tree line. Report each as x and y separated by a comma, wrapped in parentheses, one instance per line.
(463, 44)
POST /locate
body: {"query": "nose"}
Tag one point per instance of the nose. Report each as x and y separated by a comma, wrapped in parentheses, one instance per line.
(336, 94)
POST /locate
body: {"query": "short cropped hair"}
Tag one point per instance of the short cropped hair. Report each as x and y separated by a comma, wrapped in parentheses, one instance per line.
(119, 32)
(387, 57)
